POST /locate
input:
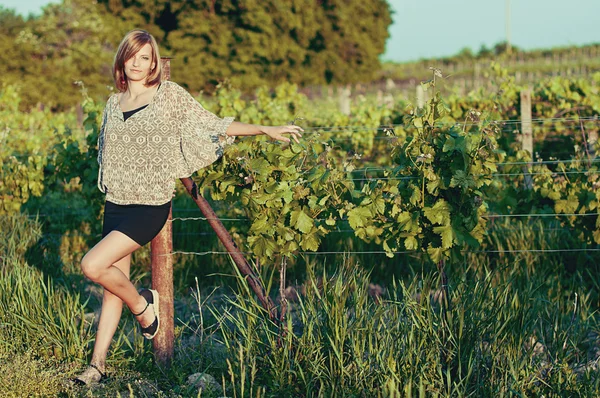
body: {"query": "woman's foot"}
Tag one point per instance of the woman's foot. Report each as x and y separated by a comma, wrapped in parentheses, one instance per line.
(149, 317)
(92, 374)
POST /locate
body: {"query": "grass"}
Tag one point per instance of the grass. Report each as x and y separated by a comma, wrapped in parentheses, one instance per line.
(517, 324)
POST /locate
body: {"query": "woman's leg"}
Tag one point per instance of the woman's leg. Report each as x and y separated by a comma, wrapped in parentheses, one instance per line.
(110, 315)
(98, 265)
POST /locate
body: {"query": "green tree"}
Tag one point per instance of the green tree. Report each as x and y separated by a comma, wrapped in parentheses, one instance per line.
(71, 41)
(252, 42)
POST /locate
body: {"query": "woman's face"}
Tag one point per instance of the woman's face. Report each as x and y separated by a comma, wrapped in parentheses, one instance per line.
(139, 66)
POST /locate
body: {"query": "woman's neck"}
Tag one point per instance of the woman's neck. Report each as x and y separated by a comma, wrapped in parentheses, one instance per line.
(136, 89)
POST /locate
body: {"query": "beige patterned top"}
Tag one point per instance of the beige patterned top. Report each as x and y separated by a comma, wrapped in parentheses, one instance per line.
(172, 137)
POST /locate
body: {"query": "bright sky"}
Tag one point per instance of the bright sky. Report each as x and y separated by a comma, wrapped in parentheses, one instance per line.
(435, 28)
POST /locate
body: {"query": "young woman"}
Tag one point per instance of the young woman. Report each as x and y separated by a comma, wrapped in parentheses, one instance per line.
(152, 133)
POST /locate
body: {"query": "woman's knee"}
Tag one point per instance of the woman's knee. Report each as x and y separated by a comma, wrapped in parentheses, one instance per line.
(91, 269)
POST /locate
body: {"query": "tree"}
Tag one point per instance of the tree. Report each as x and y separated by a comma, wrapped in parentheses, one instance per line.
(72, 41)
(257, 42)
(251, 43)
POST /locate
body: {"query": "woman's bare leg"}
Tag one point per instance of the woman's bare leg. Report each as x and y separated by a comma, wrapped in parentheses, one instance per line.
(108, 264)
(98, 265)
(110, 315)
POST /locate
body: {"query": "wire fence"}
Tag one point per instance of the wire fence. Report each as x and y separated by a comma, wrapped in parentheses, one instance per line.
(387, 130)
(503, 124)
(413, 252)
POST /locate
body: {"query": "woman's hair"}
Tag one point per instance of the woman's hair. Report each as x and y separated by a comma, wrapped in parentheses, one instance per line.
(130, 45)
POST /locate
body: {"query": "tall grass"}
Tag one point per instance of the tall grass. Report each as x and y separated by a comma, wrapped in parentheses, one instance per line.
(519, 324)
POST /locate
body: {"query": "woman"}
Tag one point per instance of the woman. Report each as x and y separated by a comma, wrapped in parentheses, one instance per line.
(151, 134)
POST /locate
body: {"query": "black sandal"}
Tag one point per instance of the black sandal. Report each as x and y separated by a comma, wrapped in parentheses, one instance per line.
(79, 382)
(151, 297)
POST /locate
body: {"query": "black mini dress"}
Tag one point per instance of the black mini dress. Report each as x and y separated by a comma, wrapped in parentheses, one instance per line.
(139, 222)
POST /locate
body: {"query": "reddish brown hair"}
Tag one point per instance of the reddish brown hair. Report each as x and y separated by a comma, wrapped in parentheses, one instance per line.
(130, 45)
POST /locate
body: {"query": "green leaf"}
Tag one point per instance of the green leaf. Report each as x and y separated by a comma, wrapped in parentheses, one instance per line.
(447, 235)
(310, 242)
(439, 213)
(435, 253)
(389, 252)
(260, 166)
(449, 145)
(462, 179)
(358, 216)
(301, 221)
(415, 198)
(432, 186)
(287, 195)
(262, 246)
(379, 203)
(410, 243)
(259, 225)
(404, 221)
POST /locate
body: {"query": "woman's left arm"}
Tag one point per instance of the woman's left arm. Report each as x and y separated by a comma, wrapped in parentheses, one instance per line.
(276, 132)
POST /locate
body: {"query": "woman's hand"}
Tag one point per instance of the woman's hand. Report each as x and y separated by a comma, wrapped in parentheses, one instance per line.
(277, 132)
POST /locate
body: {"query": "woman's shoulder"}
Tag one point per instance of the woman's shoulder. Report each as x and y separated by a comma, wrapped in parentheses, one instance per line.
(173, 87)
(114, 97)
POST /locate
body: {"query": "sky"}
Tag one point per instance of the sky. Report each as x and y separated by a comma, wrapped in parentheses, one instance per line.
(437, 28)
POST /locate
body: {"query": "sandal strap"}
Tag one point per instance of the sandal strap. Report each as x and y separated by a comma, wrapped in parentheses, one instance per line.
(144, 310)
(102, 375)
(150, 330)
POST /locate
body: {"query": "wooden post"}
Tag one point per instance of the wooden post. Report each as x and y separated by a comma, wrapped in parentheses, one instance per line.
(420, 96)
(162, 281)
(527, 131)
(344, 99)
(162, 277)
(592, 142)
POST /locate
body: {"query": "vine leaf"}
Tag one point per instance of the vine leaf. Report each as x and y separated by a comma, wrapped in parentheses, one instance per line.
(447, 235)
(358, 217)
(439, 213)
(301, 221)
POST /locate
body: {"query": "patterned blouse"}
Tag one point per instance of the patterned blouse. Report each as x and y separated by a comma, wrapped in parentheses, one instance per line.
(171, 138)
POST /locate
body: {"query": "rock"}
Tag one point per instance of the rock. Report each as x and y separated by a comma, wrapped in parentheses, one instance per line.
(204, 381)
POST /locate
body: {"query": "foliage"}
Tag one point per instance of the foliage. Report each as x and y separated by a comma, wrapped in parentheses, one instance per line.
(250, 44)
(531, 65)
(71, 41)
(257, 42)
(75, 164)
(290, 193)
(509, 331)
(34, 312)
(26, 140)
(562, 188)
(432, 198)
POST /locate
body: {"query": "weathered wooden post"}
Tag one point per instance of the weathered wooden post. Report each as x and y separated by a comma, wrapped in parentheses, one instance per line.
(162, 277)
(344, 99)
(527, 132)
(420, 93)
